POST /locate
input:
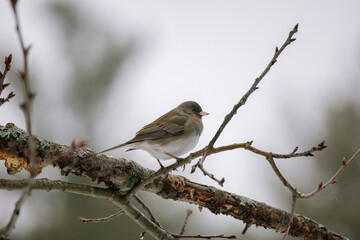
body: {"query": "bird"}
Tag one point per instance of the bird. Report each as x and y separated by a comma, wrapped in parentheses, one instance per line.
(171, 135)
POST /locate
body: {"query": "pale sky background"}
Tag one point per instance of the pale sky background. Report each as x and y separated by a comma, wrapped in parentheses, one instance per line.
(210, 52)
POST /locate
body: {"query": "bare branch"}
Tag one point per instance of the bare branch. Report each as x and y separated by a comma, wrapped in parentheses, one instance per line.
(280, 176)
(7, 68)
(216, 200)
(222, 236)
(147, 209)
(332, 180)
(103, 219)
(254, 86)
(188, 213)
(92, 191)
(210, 175)
(243, 100)
(293, 205)
(26, 107)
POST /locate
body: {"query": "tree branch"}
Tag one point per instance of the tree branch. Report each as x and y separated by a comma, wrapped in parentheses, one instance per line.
(103, 219)
(242, 101)
(26, 107)
(7, 68)
(120, 175)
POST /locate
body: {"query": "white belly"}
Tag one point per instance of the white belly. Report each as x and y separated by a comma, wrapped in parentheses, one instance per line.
(175, 148)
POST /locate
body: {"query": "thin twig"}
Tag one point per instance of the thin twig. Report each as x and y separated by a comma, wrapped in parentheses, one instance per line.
(296, 194)
(188, 213)
(147, 209)
(247, 146)
(205, 237)
(26, 107)
(293, 205)
(247, 226)
(210, 175)
(7, 68)
(280, 176)
(243, 100)
(332, 180)
(103, 219)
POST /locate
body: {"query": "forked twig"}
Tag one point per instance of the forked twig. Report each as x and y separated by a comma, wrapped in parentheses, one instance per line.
(332, 180)
(243, 100)
(298, 195)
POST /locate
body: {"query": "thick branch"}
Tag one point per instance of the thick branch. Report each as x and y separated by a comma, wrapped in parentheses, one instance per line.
(121, 174)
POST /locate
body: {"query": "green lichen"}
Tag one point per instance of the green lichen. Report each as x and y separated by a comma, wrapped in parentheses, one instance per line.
(81, 154)
(138, 174)
(10, 130)
(43, 146)
(244, 201)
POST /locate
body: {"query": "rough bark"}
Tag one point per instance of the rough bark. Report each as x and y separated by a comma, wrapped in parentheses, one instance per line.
(120, 175)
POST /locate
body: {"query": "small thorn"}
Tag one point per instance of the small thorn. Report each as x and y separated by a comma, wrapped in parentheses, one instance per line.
(295, 150)
(296, 27)
(343, 161)
(293, 39)
(320, 184)
(11, 95)
(282, 232)
(222, 182)
(309, 155)
(322, 143)
(273, 62)
(276, 49)
(5, 85)
(335, 181)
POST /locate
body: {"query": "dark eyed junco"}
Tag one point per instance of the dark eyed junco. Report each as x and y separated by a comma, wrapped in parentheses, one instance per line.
(173, 134)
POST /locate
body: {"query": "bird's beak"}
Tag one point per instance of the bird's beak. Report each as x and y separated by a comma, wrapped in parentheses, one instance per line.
(202, 113)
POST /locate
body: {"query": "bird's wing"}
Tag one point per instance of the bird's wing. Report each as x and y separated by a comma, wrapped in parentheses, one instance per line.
(161, 129)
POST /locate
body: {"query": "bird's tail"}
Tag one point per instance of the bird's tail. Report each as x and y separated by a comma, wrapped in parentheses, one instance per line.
(118, 146)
